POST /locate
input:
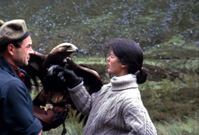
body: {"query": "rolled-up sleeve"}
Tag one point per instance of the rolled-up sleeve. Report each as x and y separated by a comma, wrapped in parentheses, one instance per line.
(18, 109)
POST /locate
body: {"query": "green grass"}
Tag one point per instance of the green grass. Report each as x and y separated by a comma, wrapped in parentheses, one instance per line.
(186, 127)
(189, 126)
(90, 60)
(73, 127)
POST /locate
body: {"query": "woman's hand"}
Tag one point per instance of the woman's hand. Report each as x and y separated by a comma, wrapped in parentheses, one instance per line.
(65, 75)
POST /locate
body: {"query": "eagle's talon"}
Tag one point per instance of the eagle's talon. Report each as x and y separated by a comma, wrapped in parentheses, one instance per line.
(47, 107)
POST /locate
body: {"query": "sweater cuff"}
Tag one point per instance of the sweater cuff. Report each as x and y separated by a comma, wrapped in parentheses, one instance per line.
(76, 88)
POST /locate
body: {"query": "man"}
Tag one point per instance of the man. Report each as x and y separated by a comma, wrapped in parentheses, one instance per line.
(16, 107)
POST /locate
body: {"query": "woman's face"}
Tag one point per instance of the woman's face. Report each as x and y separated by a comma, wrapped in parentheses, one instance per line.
(115, 67)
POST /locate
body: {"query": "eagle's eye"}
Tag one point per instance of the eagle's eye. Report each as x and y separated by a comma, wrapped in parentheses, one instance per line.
(68, 47)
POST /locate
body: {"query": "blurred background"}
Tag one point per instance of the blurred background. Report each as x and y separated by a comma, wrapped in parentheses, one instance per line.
(167, 31)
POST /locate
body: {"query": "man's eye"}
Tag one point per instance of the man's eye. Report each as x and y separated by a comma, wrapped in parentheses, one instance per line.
(28, 46)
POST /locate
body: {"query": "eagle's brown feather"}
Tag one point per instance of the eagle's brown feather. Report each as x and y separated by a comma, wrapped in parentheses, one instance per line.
(55, 91)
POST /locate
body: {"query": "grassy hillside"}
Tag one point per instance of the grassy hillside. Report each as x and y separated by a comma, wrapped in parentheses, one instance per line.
(89, 24)
(168, 32)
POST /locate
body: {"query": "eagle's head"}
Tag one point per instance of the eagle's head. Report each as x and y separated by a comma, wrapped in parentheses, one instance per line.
(57, 56)
(64, 48)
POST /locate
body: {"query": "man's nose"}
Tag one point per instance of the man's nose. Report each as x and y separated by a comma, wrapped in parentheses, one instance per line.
(31, 50)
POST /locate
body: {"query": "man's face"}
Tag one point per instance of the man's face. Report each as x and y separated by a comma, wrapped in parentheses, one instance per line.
(22, 54)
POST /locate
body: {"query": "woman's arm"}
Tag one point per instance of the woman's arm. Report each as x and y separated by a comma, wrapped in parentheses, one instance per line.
(82, 99)
(138, 121)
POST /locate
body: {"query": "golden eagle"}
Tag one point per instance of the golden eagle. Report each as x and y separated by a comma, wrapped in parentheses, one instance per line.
(53, 102)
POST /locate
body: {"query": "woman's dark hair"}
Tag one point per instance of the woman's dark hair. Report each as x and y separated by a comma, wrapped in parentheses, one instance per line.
(129, 53)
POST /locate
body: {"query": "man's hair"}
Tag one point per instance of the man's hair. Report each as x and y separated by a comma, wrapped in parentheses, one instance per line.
(12, 32)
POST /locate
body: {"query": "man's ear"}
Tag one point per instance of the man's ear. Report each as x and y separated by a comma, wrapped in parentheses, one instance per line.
(11, 49)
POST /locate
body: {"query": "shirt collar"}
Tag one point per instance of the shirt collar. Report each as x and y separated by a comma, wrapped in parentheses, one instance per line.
(19, 73)
(13, 70)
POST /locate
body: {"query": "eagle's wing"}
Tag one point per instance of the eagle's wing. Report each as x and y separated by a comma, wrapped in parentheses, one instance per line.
(92, 80)
(34, 68)
(54, 90)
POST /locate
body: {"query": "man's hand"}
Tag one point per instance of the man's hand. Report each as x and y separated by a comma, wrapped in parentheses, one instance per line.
(40, 133)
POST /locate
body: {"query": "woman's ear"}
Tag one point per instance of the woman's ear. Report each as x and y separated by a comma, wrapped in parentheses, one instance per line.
(11, 49)
(124, 66)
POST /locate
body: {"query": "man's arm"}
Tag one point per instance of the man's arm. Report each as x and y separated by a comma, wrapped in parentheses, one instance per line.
(18, 109)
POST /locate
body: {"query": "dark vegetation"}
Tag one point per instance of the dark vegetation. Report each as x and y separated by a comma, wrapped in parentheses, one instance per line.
(167, 30)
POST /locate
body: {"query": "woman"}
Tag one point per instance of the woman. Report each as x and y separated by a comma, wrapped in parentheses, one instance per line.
(116, 109)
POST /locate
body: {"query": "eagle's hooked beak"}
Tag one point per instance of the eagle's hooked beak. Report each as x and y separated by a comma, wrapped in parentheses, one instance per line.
(72, 48)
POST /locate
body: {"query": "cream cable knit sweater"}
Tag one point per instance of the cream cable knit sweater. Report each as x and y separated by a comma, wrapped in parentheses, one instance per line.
(117, 109)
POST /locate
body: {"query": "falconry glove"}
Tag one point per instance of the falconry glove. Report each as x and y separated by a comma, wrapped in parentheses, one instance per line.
(65, 75)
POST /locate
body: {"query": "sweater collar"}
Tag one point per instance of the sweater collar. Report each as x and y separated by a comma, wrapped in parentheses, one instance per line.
(124, 82)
